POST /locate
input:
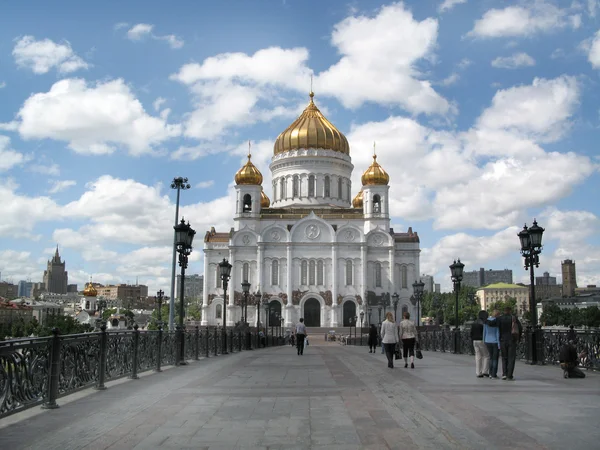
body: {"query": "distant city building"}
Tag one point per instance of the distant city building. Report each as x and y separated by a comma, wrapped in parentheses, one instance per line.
(194, 287)
(55, 276)
(37, 289)
(71, 288)
(545, 280)
(438, 288)
(580, 302)
(9, 312)
(501, 291)
(8, 290)
(546, 287)
(40, 310)
(429, 284)
(569, 278)
(129, 295)
(25, 288)
(589, 289)
(482, 277)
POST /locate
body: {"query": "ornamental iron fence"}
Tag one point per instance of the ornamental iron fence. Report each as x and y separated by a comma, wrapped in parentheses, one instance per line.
(38, 371)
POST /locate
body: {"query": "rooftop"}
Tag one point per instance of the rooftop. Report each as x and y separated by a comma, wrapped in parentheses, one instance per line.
(503, 286)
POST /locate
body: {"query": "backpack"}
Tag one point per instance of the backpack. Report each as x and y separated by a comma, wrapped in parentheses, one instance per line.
(514, 329)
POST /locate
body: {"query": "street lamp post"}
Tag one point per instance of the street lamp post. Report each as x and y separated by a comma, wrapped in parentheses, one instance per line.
(396, 299)
(267, 305)
(355, 322)
(184, 236)
(181, 184)
(456, 270)
(159, 299)
(246, 290)
(225, 272)
(379, 308)
(418, 290)
(350, 326)
(362, 315)
(531, 247)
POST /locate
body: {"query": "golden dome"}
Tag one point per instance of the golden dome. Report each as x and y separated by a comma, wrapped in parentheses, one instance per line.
(311, 130)
(375, 175)
(249, 174)
(90, 290)
(264, 200)
(358, 200)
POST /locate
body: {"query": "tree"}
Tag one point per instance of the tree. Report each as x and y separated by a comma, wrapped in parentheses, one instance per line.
(194, 312)
(552, 314)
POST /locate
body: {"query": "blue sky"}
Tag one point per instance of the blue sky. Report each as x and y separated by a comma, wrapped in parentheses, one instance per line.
(485, 115)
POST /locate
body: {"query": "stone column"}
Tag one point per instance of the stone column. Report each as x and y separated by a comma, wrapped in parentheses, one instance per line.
(259, 267)
(233, 281)
(288, 289)
(334, 285)
(204, 321)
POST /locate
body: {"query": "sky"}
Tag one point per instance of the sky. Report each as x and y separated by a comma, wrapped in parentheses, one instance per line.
(485, 114)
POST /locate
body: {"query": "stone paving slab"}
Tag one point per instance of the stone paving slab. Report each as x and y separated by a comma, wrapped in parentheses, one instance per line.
(332, 397)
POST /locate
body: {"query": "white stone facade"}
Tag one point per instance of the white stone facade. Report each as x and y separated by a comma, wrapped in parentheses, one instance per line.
(311, 254)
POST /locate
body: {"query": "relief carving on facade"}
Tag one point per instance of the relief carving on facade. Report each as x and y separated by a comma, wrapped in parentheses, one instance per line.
(340, 299)
(327, 297)
(283, 297)
(211, 297)
(358, 299)
(238, 298)
(297, 296)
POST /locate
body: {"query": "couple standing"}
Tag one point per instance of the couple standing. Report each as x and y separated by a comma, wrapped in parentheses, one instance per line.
(406, 331)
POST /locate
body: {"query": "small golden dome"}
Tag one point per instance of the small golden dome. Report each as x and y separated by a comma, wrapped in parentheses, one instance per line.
(358, 200)
(90, 290)
(264, 200)
(249, 174)
(311, 130)
(375, 175)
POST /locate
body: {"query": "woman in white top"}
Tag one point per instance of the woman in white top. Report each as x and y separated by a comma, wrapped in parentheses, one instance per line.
(408, 334)
(389, 337)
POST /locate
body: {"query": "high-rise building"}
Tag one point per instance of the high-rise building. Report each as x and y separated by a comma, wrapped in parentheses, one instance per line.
(8, 290)
(25, 288)
(427, 280)
(438, 288)
(569, 278)
(55, 276)
(482, 277)
(193, 286)
(129, 296)
(72, 288)
(545, 280)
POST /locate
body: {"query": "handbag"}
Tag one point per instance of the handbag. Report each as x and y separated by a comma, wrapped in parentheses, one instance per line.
(418, 352)
(397, 354)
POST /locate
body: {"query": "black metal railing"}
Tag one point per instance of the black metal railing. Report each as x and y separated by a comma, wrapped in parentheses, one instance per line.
(38, 371)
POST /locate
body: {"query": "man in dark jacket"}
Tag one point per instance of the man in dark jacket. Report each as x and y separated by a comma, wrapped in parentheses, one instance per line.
(568, 361)
(510, 334)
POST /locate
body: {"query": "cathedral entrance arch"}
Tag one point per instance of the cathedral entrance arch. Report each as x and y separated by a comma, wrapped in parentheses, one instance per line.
(312, 313)
(274, 310)
(349, 310)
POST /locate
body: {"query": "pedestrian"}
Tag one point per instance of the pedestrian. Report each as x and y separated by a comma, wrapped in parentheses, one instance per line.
(300, 336)
(389, 337)
(482, 356)
(408, 334)
(380, 340)
(510, 329)
(569, 361)
(491, 337)
(372, 342)
(572, 334)
(292, 339)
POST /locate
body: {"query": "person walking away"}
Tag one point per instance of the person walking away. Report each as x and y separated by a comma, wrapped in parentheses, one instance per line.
(510, 329)
(408, 334)
(372, 342)
(491, 337)
(572, 334)
(389, 337)
(569, 361)
(482, 356)
(300, 336)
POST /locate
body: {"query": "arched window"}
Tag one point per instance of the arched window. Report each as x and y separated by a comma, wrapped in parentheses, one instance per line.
(247, 204)
(376, 203)
(404, 309)
(87, 304)
(326, 187)
(303, 273)
(295, 183)
(378, 275)
(311, 185)
(282, 188)
(349, 273)
(404, 271)
(311, 273)
(275, 273)
(339, 188)
(219, 282)
(245, 272)
(320, 273)
(219, 312)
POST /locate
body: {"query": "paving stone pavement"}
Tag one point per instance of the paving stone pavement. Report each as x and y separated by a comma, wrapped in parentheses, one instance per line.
(332, 397)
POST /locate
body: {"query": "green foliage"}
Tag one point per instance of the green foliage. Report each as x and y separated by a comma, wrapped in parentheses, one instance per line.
(194, 312)
(442, 306)
(554, 315)
(66, 325)
(501, 305)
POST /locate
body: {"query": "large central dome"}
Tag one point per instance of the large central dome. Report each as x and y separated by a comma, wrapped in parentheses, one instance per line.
(311, 130)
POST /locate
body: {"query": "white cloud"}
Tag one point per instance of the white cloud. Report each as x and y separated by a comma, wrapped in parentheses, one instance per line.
(2, 84)
(514, 61)
(59, 186)
(120, 25)
(447, 5)
(10, 158)
(537, 16)
(158, 103)
(139, 31)
(142, 30)
(48, 168)
(382, 53)
(540, 110)
(41, 56)
(18, 265)
(205, 184)
(594, 51)
(93, 119)
(592, 7)
(450, 79)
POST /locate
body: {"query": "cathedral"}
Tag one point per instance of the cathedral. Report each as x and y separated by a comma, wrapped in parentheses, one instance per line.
(314, 251)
